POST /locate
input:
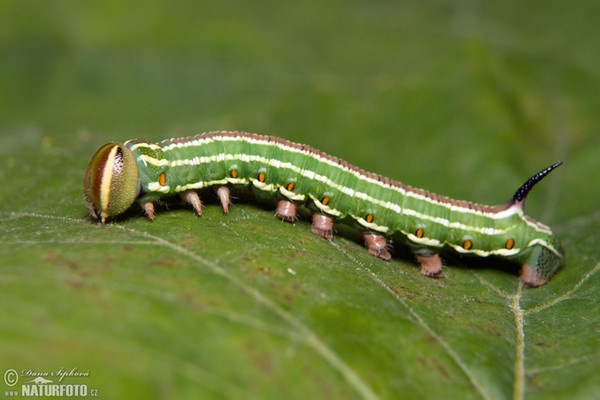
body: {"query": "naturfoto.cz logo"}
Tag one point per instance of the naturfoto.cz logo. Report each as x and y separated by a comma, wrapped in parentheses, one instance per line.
(47, 383)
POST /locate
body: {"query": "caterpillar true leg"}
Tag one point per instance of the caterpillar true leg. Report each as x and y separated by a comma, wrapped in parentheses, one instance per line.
(286, 210)
(322, 225)
(377, 245)
(191, 197)
(431, 264)
(148, 207)
(223, 193)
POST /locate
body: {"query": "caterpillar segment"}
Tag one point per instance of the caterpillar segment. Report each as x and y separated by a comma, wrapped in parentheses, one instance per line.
(337, 192)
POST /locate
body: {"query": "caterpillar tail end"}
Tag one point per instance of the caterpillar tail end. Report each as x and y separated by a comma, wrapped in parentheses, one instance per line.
(542, 264)
(531, 277)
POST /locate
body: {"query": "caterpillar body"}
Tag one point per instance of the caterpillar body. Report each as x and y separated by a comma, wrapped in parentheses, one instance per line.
(336, 191)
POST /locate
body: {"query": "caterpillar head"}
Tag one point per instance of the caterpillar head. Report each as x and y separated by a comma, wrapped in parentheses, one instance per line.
(112, 181)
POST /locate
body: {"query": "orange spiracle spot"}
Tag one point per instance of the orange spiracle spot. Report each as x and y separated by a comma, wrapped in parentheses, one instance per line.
(510, 244)
(419, 233)
(261, 177)
(325, 200)
(233, 173)
(162, 179)
(290, 186)
(467, 244)
(369, 218)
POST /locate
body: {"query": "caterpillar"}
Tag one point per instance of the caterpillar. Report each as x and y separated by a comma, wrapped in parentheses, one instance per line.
(334, 190)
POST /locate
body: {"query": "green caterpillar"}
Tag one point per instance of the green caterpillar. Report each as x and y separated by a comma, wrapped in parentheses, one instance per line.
(334, 190)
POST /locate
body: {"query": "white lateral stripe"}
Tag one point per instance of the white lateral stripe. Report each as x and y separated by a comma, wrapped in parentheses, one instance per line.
(423, 240)
(545, 244)
(196, 161)
(237, 181)
(485, 253)
(459, 249)
(267, 187)
(200, 185)
(442, 221)
(285, 165)
(157, 187)
(321, 178)
(370, 225)
(324, 208)
(291, 195)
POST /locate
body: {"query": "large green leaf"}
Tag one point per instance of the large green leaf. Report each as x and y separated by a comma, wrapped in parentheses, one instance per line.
(467, 100)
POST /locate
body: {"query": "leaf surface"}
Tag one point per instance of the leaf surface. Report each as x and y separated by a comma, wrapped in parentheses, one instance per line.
(245, 306)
